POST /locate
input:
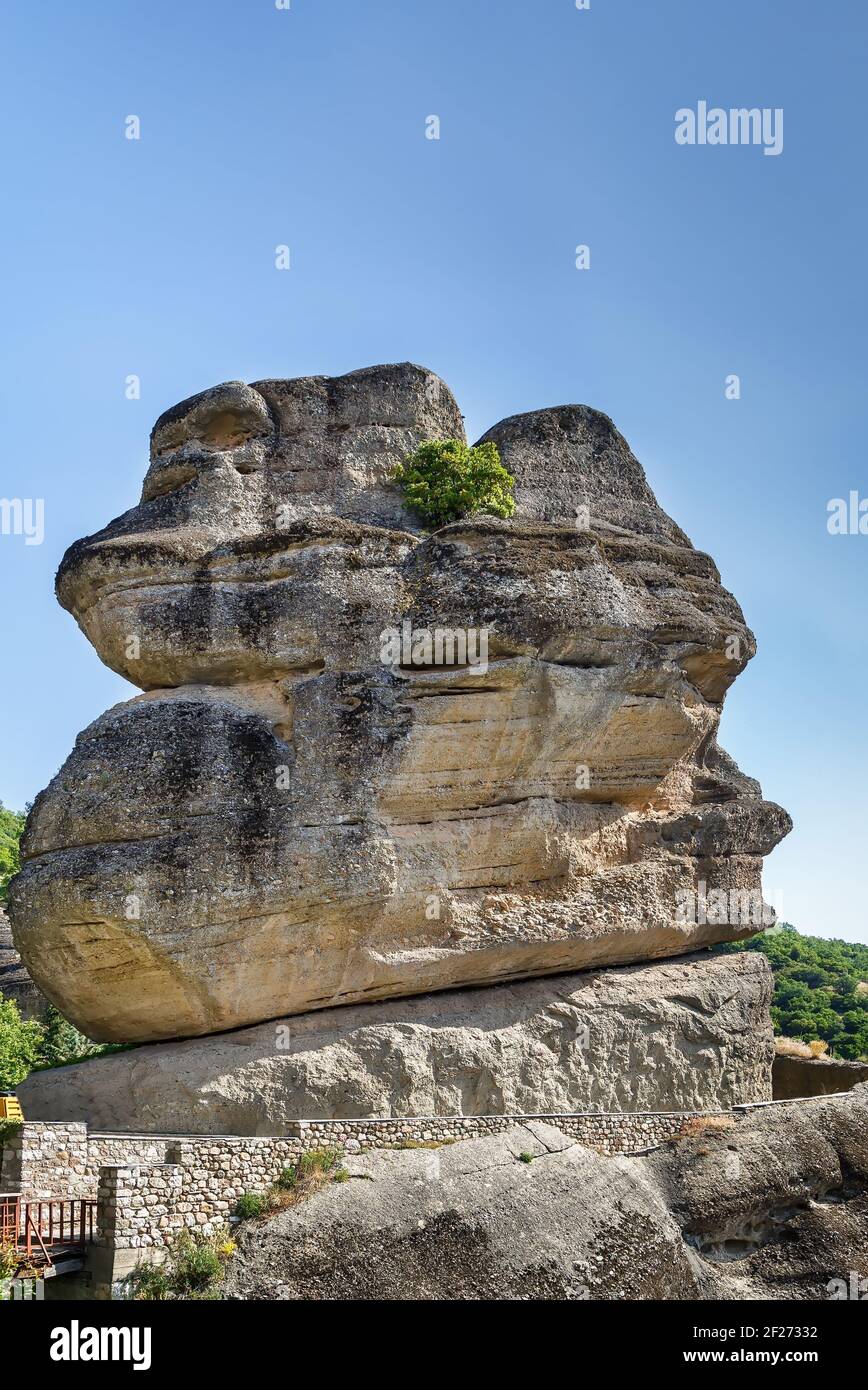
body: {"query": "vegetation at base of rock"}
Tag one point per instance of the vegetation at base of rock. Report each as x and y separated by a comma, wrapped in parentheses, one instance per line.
(11, 827)
(820, 988)
(7, 1130)
(20, 1042)
(314, 1169)
(313, 1164)
(192, 1271)
(62, 1042)
(251, 1204)
(444, 480)
(27, 1045)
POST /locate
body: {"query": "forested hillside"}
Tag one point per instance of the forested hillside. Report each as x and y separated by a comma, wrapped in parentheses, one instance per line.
(11, 826)
(821, 987)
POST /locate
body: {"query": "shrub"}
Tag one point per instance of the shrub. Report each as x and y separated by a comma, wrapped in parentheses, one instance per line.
(192, 1271)
(444, 480)
(8, 1129)
(317, 1161)
(149, 1282)
(195, 1264)
(250, 1204)
(525, 1157)
(20, 1043)
(9, 1261)
(704, 1124)
(314, 1169)
(791, 1047)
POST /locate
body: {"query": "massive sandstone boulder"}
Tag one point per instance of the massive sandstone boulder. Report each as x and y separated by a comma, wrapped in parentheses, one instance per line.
(679, 1035)
(292, 816)
(775, 1206)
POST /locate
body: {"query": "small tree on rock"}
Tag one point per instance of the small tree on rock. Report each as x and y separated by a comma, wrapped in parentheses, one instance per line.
(444, 480)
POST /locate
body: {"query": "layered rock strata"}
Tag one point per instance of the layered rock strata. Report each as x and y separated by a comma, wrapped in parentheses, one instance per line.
(680, 1035)
(295, 814)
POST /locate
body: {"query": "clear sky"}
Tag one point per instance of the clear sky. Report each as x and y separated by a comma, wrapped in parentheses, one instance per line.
(307, 127)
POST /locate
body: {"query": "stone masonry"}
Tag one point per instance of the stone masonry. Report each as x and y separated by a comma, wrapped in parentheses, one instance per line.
(150, 1187)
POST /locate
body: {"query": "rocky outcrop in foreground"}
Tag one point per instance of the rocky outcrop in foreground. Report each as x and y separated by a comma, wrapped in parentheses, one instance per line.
(295, 815)
(680, 1035)
(814, 1076)
(774, 1207)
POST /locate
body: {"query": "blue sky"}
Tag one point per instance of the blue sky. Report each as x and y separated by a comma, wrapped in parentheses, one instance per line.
(306, 127)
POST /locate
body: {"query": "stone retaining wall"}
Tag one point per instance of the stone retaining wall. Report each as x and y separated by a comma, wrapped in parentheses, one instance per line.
(148, 1187)
(47, 1160)
(43, 1160)
(612, 1134)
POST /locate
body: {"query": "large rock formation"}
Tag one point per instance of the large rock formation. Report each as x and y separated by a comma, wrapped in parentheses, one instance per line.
(683, 1035)
(774, 1207)
(294, 816)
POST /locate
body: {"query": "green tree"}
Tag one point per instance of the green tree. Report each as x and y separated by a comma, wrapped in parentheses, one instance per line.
(445, 480)
(819, 987)
(11, 826)
(20, 1043)
(62, 1042)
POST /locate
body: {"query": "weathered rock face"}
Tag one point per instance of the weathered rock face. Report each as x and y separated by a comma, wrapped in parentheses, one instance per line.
(774, 1207)
(683, 1035)
(295, 815)
(793, 1077)
(474, 1221)
(778, 1205)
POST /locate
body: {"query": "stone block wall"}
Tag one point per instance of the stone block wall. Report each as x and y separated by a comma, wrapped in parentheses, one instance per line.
(146, 1205)
(612, 1134)
(45, 1160)
(149, 1187)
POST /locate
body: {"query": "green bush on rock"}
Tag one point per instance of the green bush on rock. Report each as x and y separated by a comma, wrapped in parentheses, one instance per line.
(444, 480)
(316, 1168)
(11, 827)
(193, 1269)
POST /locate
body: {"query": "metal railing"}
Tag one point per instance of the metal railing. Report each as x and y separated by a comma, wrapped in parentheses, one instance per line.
(38, 1228)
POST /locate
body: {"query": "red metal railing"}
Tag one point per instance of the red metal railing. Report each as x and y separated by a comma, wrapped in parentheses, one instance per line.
(38, 1227)
(10, 1207)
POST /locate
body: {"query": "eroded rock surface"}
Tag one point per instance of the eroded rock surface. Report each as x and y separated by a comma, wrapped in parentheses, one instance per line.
(285, 821)
(773, 1207)
(680, 1035)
